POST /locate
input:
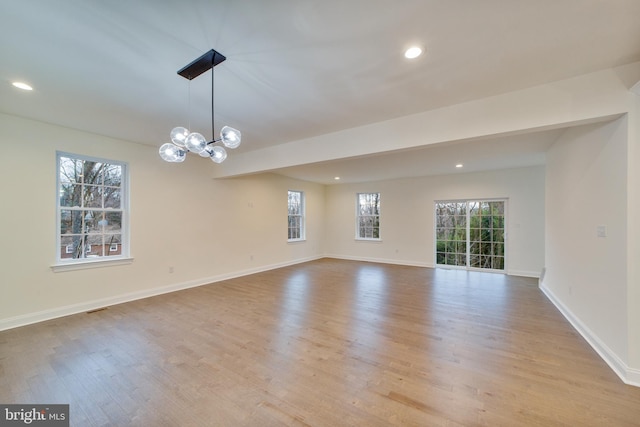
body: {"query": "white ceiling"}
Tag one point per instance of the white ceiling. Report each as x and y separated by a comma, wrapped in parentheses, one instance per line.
(511, 151)
(301, 68)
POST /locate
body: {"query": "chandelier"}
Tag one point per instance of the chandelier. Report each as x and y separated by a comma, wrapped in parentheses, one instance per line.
(184, 141)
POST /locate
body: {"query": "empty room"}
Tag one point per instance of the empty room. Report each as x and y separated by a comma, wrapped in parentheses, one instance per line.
(305, 213)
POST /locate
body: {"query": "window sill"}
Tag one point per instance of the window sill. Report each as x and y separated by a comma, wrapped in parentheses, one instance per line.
(58, 268)
(360, 239)
(296, 240)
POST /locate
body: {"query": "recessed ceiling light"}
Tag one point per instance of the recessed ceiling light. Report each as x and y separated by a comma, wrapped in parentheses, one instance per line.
(21, 85)
(413, 52)
(337, 178)
(459, 165)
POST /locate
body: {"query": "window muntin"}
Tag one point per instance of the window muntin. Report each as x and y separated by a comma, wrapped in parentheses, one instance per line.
(296, 223)
(368, 216)
(91, 208)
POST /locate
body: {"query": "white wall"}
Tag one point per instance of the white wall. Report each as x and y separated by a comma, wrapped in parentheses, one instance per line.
(633, 233)
(407, 216)
(586, 187)
(205, 229)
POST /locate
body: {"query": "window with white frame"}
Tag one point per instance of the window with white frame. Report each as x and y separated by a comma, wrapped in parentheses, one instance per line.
(471, 234)
(368, 216)
(296, 216)
(91, 208)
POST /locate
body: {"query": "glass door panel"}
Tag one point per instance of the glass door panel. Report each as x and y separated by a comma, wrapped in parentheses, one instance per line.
(471, 234)
(451, 233)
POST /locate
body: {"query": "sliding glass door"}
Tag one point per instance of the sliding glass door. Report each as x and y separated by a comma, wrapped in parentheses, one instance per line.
(470, 234)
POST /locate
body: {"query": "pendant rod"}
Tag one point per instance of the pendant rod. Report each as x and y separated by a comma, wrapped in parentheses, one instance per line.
(213, 129)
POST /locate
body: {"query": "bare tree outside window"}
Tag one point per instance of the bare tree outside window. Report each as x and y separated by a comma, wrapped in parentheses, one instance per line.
(90, 208)
(451, 233)
(296, 215)
(368, 216)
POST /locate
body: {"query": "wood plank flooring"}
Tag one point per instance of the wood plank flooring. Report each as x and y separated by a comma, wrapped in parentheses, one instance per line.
(324, 343)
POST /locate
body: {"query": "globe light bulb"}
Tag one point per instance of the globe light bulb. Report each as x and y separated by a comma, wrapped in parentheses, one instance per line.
(179, 135)
(218, 154)
(230, 137)
(195, 142)
(172, 153)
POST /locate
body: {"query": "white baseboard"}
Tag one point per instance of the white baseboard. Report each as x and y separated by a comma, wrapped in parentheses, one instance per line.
(633, 377)
(54, 313)
(627, 374)
(524, 273)
(382, 261)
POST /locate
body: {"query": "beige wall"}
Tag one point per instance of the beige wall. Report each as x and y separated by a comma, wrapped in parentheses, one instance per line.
(586, 273)
(407, 221)
(205, 229)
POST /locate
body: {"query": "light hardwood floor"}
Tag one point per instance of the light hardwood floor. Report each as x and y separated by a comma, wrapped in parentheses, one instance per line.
(324, 343)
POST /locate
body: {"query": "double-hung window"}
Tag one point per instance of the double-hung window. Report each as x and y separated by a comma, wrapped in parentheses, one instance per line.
(92, 209)
(296, 216)
(368, 216)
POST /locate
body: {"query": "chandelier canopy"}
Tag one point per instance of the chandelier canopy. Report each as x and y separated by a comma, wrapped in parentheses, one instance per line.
(183, 140)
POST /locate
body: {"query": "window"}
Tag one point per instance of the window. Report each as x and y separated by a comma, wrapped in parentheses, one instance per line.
(91, 208)
(368, 216)
(471, 234)
(451, 233)
(296, 215)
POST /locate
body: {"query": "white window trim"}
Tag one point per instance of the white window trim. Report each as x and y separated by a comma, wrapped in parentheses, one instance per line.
(303, 219)
(62, 265)
(505, 200)
(357, 220)
(91, 263)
